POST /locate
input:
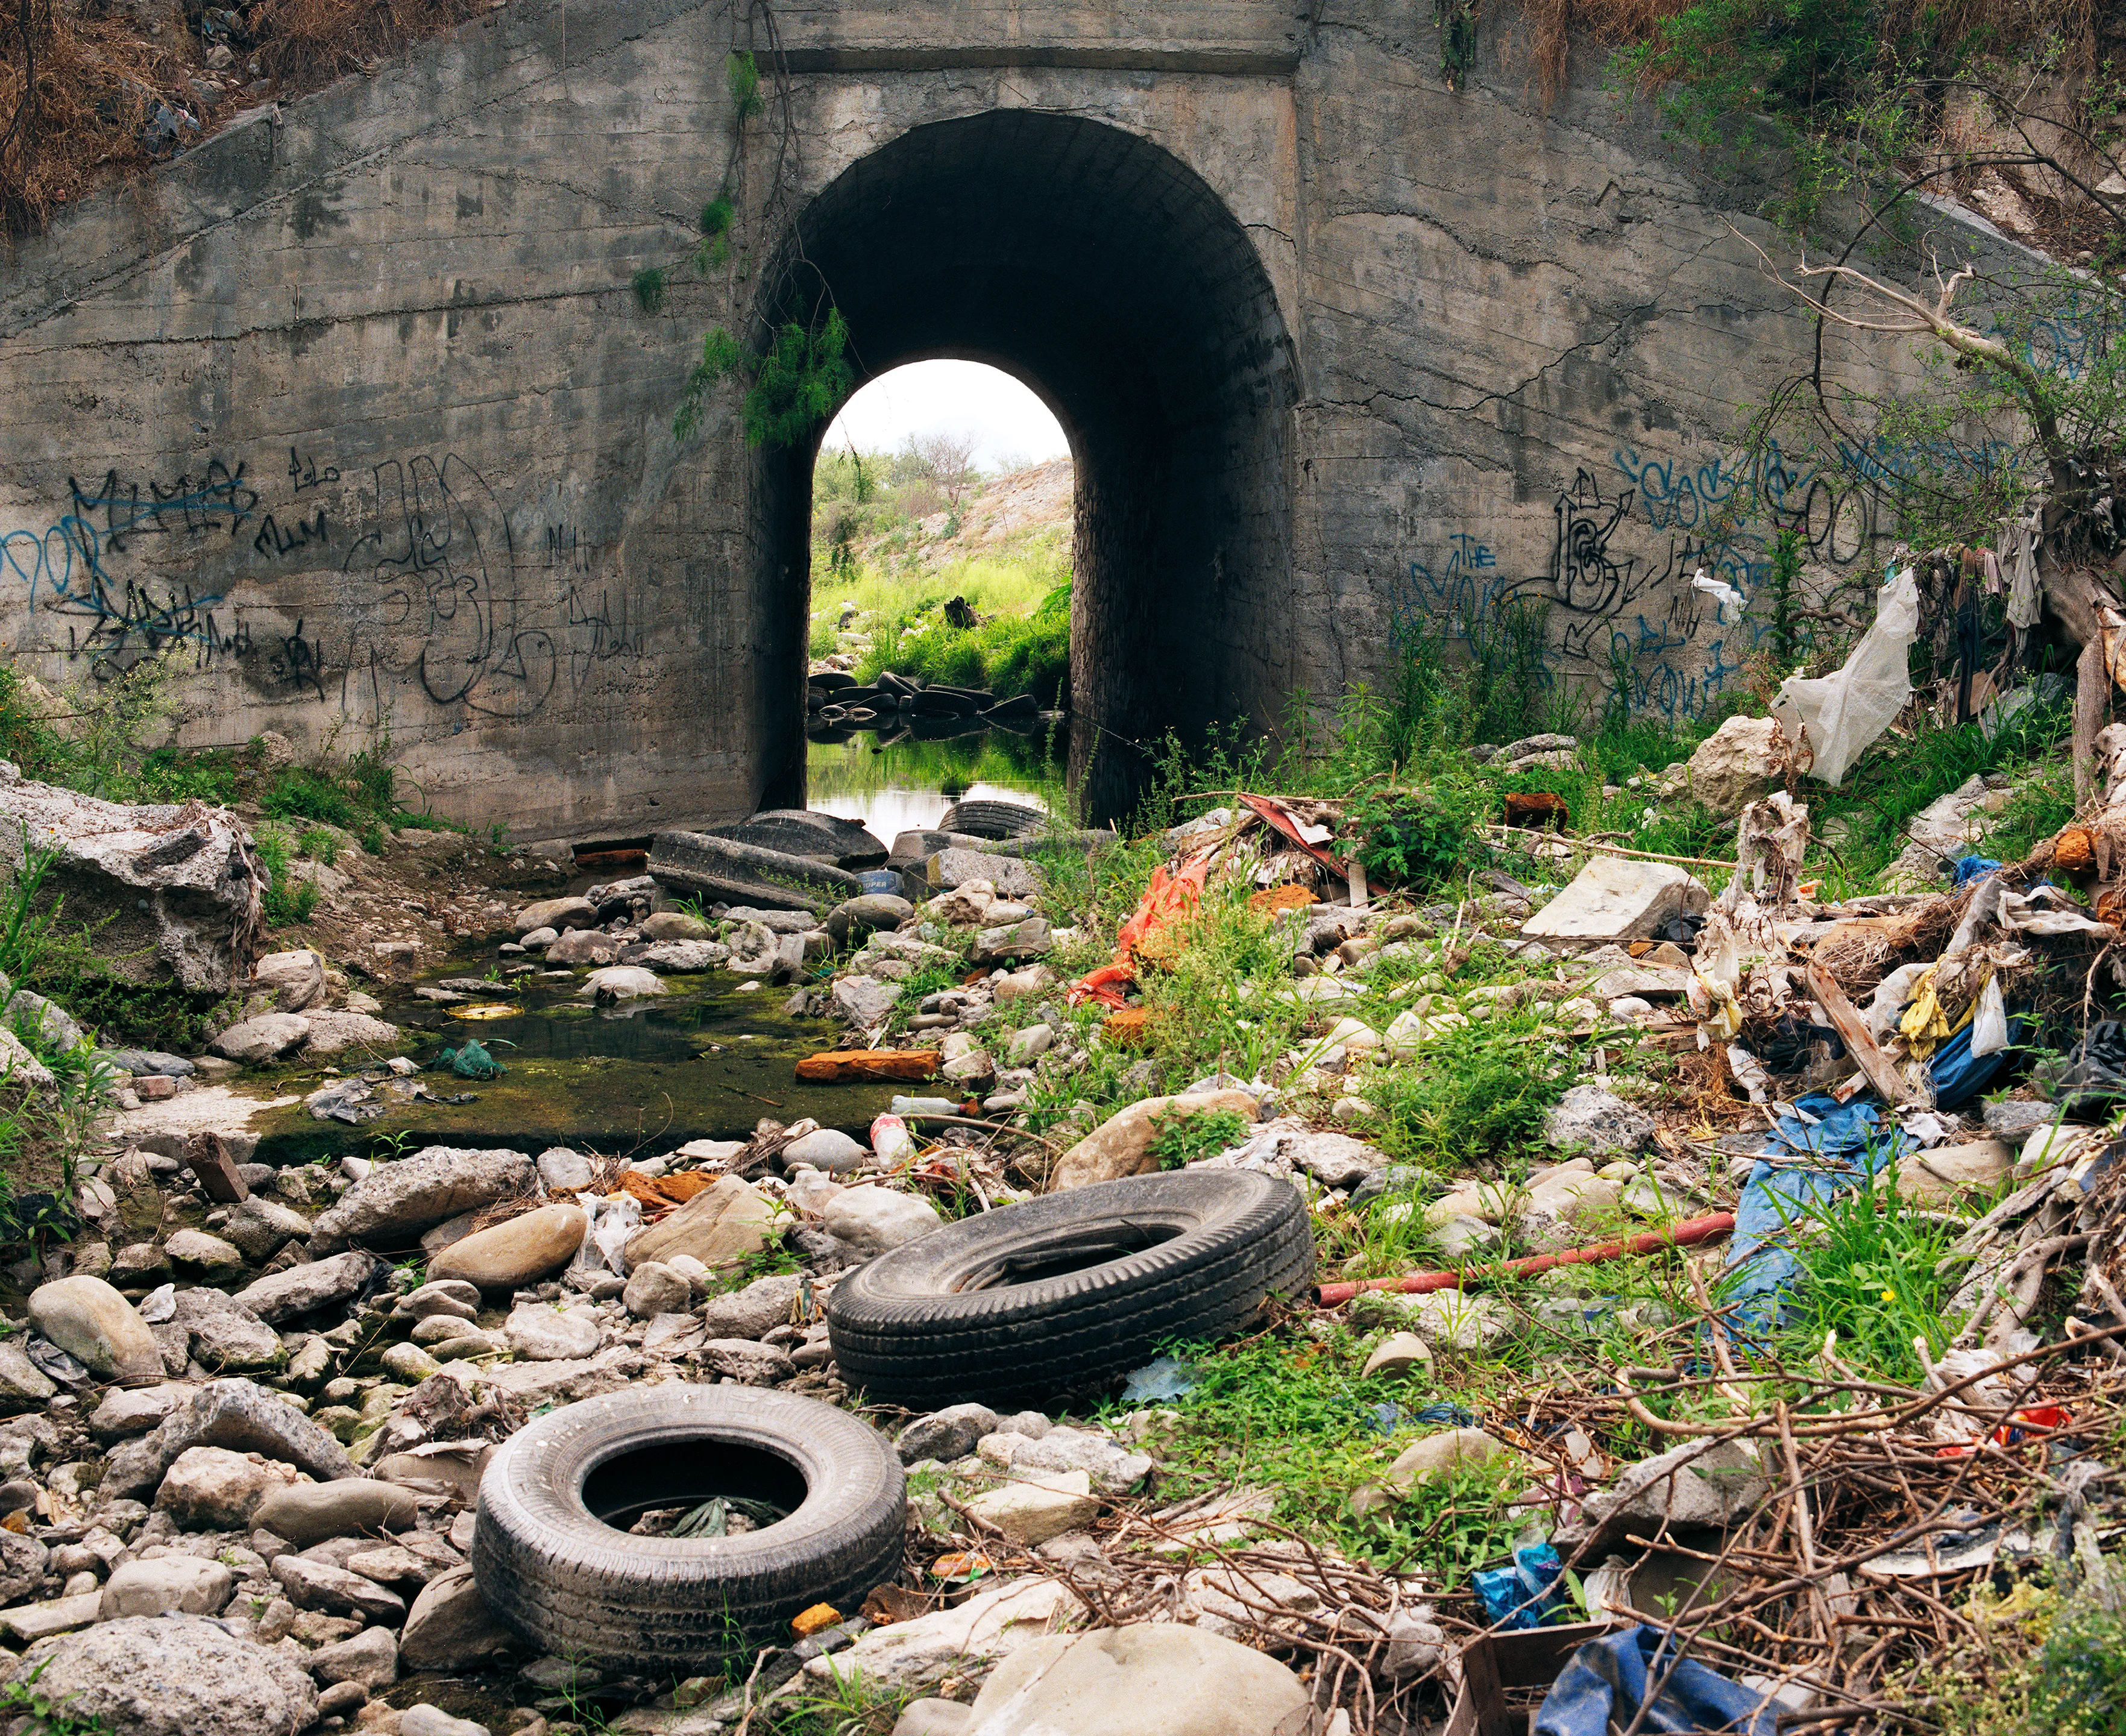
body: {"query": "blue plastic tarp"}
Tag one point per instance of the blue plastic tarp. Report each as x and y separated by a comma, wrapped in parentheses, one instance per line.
(1851, 1142)
(1607, 1683)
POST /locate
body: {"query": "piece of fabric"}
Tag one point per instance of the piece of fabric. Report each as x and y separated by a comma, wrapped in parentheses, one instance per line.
(1608, 1680)
(1169, 896)
(2018, 548)
(1959, 1075)
(1969, 869)
(1851, 1143)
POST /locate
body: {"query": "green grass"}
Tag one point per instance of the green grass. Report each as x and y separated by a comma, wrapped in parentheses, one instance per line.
(1473, 1093)
(1179, 1139)
(1295, 1416)
(1869, 1273)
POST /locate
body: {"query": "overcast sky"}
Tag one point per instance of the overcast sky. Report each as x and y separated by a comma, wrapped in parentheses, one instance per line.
(1010, 423)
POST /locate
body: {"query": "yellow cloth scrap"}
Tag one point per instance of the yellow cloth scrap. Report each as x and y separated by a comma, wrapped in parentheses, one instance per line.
(1926, 1024)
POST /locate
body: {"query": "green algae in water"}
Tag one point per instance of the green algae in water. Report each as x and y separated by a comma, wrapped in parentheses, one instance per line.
(707, 1061)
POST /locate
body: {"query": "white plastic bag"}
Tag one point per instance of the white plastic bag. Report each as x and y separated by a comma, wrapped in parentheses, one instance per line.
(1989, 1024)
(1835, 718)
(605, 1237)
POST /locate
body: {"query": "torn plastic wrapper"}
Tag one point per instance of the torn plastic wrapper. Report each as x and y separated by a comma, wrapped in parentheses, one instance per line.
(1170, 896)
(605, 1236)
(1835, 719)
(1527, 1593)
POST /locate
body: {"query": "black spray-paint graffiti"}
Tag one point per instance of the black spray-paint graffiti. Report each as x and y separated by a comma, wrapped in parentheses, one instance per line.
(446, 572)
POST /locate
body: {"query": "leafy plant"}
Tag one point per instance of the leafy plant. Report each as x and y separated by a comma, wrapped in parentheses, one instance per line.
(1416, 837)
(287, 900)
(649, 286)
(796, 385)
(46, 1716)
(1180, 1138)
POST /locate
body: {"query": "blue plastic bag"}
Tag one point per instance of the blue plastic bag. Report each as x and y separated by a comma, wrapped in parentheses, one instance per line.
(1522, 1595)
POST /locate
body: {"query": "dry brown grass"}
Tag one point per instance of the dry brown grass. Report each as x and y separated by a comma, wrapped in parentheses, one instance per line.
(76, 93)
(75, 90)
(306, 43)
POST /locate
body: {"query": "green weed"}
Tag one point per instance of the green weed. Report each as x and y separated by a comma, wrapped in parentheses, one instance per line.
(1474, 1092)
(1868, 1272)
(1179, 1139)
(42, 1715)
(287, 900)
(1294, 1416)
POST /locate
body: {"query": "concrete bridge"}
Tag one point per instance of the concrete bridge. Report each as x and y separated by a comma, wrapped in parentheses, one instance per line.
(355, 401)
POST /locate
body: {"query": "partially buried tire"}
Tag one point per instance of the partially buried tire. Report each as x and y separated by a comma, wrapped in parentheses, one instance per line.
(1060, 1292)
(553, 1555)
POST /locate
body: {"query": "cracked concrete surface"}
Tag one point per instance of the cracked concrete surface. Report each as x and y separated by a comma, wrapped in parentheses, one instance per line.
(354, 404)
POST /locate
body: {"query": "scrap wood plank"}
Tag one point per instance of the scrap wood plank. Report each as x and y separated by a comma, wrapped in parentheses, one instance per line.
(845, 1066)
(1867, 1053)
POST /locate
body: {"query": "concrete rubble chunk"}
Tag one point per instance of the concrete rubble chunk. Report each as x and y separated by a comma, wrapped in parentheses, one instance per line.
(1591, 1116)
(1613, 900)
(170, 891)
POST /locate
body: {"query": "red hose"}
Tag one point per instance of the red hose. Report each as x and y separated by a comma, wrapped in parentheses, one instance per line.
(1418, 1283)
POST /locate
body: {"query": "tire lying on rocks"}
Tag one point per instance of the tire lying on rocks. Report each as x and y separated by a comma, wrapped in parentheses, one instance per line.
(1042, 1298)
(982, 817)
(553, 1557)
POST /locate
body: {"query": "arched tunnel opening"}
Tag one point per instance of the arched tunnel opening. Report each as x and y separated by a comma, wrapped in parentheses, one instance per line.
(1104, 272)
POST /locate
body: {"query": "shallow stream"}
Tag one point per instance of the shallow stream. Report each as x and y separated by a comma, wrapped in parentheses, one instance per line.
(706, 1060)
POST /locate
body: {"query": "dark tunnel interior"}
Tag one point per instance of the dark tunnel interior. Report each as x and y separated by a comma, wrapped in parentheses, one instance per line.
(1105, 274)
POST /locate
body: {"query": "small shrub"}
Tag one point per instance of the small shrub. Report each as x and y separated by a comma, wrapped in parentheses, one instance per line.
(287, 900)
(1419, 837)
(1476, 1091)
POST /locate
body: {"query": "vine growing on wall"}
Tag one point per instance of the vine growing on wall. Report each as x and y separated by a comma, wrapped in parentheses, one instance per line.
(803, 373)
(1458, 40)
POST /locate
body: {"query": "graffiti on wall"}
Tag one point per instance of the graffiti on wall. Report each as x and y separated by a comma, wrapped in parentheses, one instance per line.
(426, 586)
(1624, 546)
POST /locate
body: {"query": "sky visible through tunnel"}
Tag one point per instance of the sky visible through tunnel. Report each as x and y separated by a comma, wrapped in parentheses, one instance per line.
(1010, 425)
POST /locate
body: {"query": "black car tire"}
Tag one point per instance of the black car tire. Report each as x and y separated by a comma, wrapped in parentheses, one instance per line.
(550, 1565)
(1050, 1295)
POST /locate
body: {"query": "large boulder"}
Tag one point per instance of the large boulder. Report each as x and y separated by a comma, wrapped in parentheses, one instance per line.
(236, 1414)
(1121, 1144)
(395, 1201)
(1147, 1679)
(171, 892)
(171, 1676)
(1737, 765)
(720, 1226)
(87, 1318)
(521, 1251)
